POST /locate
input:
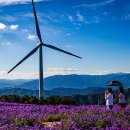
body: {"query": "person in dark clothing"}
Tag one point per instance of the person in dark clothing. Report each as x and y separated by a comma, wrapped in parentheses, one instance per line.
(122, 97)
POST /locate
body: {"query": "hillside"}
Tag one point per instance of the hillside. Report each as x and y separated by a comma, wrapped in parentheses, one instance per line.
(77, 81)
(53, 92)
(63, 85)
(11, 83)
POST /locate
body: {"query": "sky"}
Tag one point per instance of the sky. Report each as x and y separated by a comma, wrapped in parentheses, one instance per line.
(96, 30)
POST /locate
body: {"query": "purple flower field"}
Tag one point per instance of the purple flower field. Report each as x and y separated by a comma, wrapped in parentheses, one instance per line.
(15, 116)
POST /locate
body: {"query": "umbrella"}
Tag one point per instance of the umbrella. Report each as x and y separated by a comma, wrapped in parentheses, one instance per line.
(115, 83)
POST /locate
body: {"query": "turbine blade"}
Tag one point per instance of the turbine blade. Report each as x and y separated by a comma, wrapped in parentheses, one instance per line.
(36, 22)
(27, 56)
(58, 49)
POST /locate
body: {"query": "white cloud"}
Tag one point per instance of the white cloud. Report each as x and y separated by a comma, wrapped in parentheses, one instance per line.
(103, 3)
(71, 19)
(9, 2)
(31, 37)
(84, 5)
(18, 75)
(35, 75)
(80, 17)
(2, 26)
(108, 2)
(101, 72)
(5, 43)
(13, 27)
(60, 71)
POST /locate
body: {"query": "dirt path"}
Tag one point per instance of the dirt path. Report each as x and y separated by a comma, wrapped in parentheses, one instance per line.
(51, 124)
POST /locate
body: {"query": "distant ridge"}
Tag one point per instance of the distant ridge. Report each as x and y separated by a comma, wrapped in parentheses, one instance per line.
(53, 92)
(78, 81)
(69, 81)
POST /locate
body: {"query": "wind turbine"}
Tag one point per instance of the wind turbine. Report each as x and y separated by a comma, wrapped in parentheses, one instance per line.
(39, 46)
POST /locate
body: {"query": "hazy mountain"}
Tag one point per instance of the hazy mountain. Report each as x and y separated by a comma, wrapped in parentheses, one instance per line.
(11, 83)
(56, 91)
(63, 85)
(74, 83)
(77, 81)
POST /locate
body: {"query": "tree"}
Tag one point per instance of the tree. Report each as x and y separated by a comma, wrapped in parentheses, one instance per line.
(54, 100)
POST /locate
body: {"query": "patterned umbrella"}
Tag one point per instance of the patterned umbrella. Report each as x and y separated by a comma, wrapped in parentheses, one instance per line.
(115, 83)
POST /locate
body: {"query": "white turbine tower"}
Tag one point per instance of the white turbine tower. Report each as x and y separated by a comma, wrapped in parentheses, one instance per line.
(41, 85)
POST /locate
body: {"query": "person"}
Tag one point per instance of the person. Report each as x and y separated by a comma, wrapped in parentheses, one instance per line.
(109, 98)
(122, 98)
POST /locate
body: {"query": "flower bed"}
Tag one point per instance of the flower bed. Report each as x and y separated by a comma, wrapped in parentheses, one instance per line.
(15, 116)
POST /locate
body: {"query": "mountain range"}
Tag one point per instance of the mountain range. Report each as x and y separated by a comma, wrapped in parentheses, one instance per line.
(63, 84)
(53, 92)
(73, 81)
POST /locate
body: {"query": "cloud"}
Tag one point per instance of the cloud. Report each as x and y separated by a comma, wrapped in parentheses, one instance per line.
(31, 37)
(80, 17)
(107, 2)
(77, 24)
(54, 31)
(11, 2)
(8, 18)
(30, 15)
(5, 43)
(103, 3)
(101, 72)
(14, 27)
(60, 71)
(2, 26)
(71, 19)
(19, 75)
(35, 75)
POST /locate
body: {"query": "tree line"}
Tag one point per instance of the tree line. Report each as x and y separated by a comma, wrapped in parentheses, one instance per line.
(94, 99)
(53, 100)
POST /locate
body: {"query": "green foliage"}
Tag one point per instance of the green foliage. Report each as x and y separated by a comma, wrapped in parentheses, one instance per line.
(96, 99)
(54, 100)
(57, 117)
(68, 101)
(24, 121)
(42, 101)
(10, 98)
(101, 124)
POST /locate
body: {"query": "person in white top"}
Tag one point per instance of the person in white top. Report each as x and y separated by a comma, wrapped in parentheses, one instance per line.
(122, 98)
(109, 98)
